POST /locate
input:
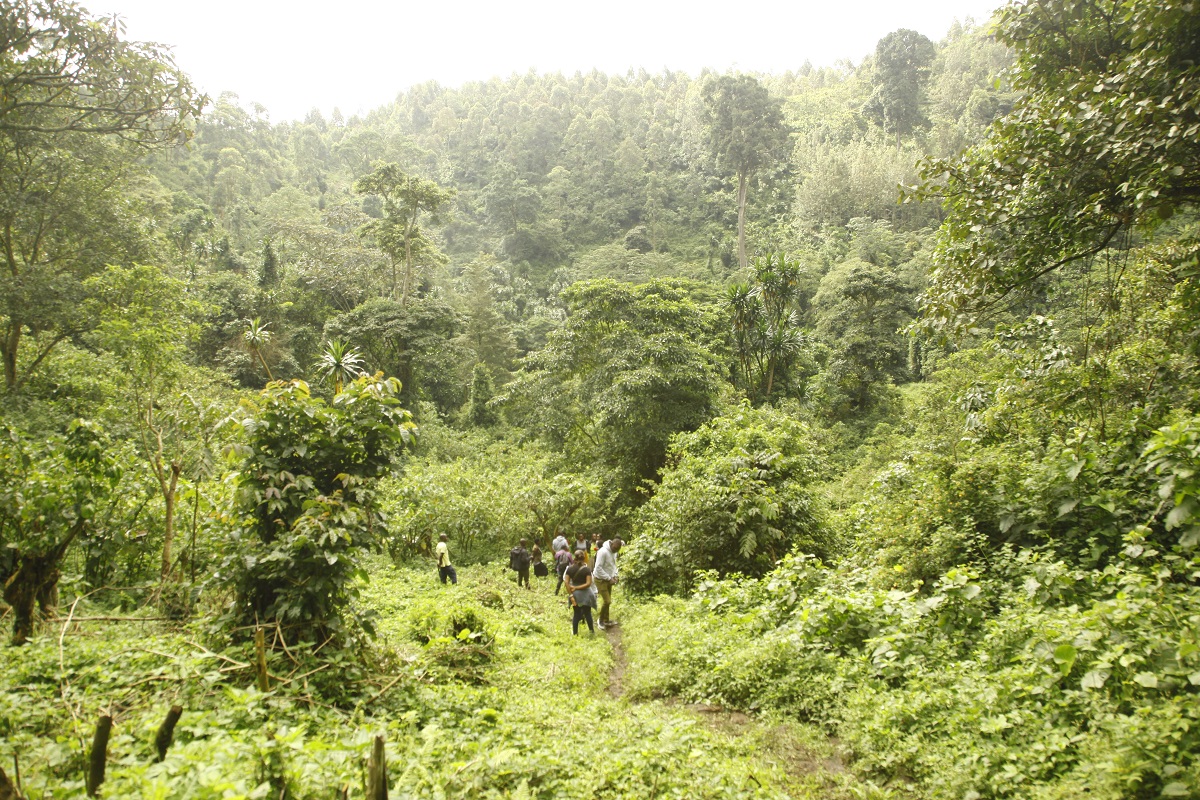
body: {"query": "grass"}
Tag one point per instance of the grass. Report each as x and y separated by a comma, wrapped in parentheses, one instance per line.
(480, 690)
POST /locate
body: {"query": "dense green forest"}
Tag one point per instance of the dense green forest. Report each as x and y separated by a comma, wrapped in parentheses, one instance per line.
(885, 372)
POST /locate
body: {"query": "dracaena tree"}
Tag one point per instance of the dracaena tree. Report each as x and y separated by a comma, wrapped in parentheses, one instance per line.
(765, 322)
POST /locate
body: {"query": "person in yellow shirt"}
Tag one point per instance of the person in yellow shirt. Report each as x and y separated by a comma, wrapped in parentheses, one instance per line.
(445, 568)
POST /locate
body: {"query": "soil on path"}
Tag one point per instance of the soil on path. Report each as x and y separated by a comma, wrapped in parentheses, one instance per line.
(616, 676)
(814, 769)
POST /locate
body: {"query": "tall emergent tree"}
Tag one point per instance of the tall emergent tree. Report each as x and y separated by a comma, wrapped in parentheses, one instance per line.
(1104, 140)
(78, 106)
(902, 66)
(745, 134)
(405, 199)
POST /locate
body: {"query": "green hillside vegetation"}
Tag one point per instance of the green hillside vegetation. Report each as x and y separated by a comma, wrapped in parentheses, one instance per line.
(885, 372)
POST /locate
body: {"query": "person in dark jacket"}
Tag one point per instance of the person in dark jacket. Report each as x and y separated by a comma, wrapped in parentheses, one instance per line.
(519, 559)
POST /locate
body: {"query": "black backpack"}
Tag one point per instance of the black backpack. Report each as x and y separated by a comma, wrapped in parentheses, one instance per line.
(518, 559)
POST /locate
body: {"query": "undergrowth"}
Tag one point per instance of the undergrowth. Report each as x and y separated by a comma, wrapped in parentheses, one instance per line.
(1047, 682)
(479, 689)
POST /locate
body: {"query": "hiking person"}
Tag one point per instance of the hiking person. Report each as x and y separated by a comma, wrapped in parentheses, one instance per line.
(445, 568)
(604, 573)
(580, 592)
(539, 569)
(562, 560)
(560, 543)
(581, 543)
(519, 559)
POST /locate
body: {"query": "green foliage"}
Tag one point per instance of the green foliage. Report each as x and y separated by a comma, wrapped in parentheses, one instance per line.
(78, 105)
(745, 134)
(510, 726)
(736, 498)
(1101, 684)
(339, 364)
(412, 342)
(406, 198)
(478, 412)
(860, 309)
(305, 502)
(485, 501)
(1081, 679)
(1174, 456)
(1102, 141)
(902, 62)
(767, 340)
(632, 366)
(48, 497)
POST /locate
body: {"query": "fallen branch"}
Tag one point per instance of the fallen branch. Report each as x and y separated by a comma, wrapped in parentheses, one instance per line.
(117, 619)
(208, 652)
(384, 690)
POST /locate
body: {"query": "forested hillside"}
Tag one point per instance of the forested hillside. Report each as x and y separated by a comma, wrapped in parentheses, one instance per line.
(884, 372)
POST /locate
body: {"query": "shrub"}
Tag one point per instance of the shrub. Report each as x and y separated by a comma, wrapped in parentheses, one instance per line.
(305, 503)
(735, 500)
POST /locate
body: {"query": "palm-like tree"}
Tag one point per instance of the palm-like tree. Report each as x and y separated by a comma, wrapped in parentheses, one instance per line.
(256, 337)
(766, 327)
(340, 363)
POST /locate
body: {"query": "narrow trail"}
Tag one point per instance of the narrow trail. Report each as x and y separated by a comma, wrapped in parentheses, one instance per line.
(815, 768)
(616, 676)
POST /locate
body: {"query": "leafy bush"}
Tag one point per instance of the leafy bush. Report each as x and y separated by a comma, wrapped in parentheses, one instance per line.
(736, 498)
(305, 503)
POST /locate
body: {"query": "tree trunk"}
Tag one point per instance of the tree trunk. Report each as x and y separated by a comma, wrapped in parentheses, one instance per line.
(743, 262)
(12, 341)
(98, 758)
(8, 790)
(408, 259)
(377, 784)
(35, 580)
(166, 732)
(169, 490)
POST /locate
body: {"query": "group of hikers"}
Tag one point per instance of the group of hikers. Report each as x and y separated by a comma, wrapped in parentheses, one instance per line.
(589, 571)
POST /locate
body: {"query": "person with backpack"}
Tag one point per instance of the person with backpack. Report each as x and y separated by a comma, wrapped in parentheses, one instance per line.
(562, 560)
(519, 559)
(560, 543)
(582, 595)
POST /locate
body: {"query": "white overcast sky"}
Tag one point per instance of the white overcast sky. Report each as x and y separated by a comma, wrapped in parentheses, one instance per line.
(295, 55)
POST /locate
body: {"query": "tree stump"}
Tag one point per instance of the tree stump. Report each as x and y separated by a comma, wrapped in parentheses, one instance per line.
(377, 784)
(99, 756)
(166, 732)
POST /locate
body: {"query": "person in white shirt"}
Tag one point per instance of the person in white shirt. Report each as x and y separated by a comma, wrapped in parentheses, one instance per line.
(559, 543)
(445, 568)
(604, 575)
